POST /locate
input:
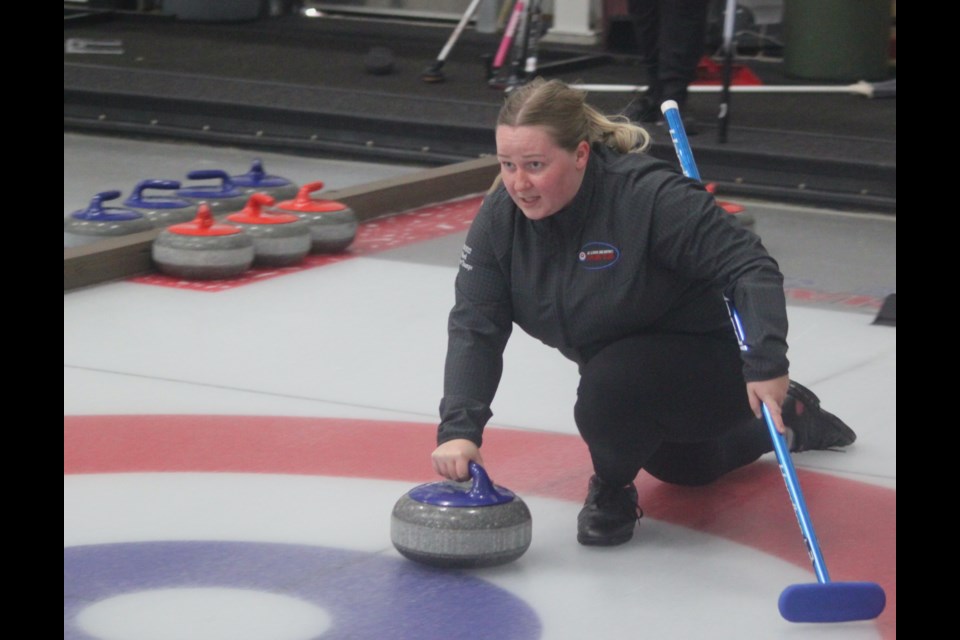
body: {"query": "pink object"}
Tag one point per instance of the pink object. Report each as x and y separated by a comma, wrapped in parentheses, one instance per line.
(508, 35)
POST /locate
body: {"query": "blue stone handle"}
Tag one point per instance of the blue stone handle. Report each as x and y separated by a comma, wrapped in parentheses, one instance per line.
(483, 489)
(212, 174)
(96, 212)
(481, 493)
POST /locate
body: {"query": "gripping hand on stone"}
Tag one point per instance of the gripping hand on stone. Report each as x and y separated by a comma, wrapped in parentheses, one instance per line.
(452, 458)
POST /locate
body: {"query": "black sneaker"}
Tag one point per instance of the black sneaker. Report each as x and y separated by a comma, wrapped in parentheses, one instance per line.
(643, 109)
(813, 428)
(609, 514)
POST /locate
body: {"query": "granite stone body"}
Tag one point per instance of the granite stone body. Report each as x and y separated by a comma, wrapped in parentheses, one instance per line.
(203, 249)
(97, 222)
(333, 225)
(461, 524)
(280, 240)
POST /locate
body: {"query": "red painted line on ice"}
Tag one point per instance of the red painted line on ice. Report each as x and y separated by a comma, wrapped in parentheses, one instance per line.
(856, 522)
(840, 298)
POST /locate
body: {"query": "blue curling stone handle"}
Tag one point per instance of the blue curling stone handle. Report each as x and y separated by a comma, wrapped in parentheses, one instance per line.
(225, 189)
(96, 212)
(258, 177)
(139, 200)
(480, 492)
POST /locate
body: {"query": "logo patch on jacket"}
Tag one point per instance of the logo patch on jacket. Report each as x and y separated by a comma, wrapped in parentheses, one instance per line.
(598, 255)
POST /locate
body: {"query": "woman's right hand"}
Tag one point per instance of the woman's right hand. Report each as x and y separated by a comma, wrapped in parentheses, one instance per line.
(451, 459)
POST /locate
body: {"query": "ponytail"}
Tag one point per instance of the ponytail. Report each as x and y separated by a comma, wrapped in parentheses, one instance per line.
(565, 112)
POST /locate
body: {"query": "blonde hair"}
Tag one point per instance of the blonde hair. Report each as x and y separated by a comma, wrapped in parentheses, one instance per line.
(564, 111)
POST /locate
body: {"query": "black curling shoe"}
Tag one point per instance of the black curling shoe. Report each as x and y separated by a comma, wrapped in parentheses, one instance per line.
(813, 428)
(646, 111)
(609, 514)
(643, 109)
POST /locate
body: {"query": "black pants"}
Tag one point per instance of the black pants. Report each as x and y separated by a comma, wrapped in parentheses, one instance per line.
(672, 38)
(674, 405)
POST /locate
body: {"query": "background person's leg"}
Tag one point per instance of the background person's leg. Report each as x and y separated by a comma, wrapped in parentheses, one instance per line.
(681, 45)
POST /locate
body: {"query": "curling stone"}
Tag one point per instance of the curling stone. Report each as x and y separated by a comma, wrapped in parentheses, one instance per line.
(379, 61)
(161, 210)
(98, 222)
(333, 225)
(257, 180)
(738, 211)
(279, 239)
(461, 524)
(202, 249)
(223, 197)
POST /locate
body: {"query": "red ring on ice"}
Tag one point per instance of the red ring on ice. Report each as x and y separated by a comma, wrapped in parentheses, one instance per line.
(858, 531)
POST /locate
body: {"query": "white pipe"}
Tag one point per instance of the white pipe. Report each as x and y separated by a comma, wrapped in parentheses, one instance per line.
(861, 87)
(572, 20)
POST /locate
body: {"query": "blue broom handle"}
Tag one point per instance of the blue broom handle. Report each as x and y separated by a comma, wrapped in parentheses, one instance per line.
(671, 111)
(796, 497)
(787, 470)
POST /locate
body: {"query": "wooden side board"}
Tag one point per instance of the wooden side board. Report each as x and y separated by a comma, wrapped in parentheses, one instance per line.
(130, 255)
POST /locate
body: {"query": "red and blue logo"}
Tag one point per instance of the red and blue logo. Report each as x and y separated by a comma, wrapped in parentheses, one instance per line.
(598, 255)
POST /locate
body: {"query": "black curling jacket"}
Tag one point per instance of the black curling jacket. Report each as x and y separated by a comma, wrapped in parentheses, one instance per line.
(640, 249)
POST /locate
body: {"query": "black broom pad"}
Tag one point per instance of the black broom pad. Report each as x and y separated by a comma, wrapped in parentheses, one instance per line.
(888, 312)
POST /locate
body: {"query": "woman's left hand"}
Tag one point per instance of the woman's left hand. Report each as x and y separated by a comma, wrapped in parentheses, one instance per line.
(771, 393)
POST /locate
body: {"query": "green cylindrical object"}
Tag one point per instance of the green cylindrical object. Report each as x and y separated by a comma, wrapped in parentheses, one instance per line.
(842, 40)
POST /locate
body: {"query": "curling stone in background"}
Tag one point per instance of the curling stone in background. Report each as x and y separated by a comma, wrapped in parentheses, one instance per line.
(223, 197)
(380, 61)
(161, 210)
(203, 249)
(738, 211)
(280, 239)
(257, 180)
(333, 225)
(98, 222)
(461, 524)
